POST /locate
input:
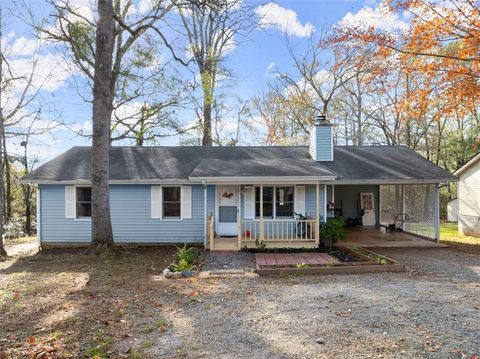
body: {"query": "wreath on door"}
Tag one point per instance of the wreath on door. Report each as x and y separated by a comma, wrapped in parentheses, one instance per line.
(227, 195)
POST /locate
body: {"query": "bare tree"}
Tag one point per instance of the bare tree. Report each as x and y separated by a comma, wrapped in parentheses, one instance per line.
(145, 94)
(102, 234)
(212, 28)
(3, 253)
(320, 72)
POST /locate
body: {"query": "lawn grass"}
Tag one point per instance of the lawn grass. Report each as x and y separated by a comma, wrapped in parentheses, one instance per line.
(450, 236)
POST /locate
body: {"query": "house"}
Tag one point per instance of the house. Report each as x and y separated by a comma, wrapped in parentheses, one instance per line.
(231, 197)
(452, 210)
(468, 195)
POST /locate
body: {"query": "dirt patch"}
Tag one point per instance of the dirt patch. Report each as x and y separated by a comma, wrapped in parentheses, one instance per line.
(239, 261)
(76, 305)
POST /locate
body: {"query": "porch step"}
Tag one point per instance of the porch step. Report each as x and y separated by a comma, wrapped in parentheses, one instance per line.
(225, 244)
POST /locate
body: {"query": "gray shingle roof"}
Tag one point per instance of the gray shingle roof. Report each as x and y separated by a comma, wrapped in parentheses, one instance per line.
(143, 164)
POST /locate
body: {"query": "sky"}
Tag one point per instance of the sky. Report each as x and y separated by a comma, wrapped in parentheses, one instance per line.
(252, 62)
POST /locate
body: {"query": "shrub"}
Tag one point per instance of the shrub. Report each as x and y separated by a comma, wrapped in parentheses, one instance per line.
(260, 244)
(185, 259)
(332, 231)
(14, 229)
(187, 254)
(182, 265)
(302, 266)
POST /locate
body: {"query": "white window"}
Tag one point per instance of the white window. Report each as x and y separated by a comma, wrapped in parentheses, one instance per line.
(83, 202)
(171, 205)
(278, 202)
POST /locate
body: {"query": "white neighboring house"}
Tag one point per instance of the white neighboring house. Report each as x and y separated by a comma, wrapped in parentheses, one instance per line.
(469, 197)
(452, 210)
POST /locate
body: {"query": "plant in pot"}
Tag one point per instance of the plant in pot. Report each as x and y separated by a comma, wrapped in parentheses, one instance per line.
(331, 232)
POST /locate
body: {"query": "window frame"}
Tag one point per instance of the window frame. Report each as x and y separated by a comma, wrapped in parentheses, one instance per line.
(257, 215)
(179, 203)
(274, 203)
(77, 218)
(286, 201)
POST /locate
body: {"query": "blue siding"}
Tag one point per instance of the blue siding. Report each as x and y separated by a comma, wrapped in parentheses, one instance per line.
(311, 201)
(321, 145)
(131, 222)
(54, 226)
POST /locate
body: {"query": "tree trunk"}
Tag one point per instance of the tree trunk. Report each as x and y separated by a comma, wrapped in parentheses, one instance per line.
(207, 124)
(102, 235)
(27, 195)
(3, 253)
(8, 182)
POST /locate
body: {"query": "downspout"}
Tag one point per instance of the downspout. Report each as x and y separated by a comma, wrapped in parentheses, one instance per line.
(205, 215)
(437, 213)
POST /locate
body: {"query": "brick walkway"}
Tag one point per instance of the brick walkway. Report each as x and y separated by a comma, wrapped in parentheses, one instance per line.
(311, 258)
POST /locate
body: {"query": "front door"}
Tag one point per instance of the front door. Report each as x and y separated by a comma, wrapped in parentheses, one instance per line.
(227, 211)
(367, 205)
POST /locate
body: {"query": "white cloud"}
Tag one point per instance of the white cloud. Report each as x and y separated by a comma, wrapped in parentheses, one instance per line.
(23, 46)
(145, 6)
(49, 74)
(84, 8)
(379, 18)
(285, 20)
(84, 128)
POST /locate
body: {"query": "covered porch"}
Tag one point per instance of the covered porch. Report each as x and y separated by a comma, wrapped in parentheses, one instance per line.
(281, 215)
(265, 215)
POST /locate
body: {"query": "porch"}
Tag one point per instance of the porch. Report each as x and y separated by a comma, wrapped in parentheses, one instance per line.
(371, 237)
(258, 215)
(267, 234)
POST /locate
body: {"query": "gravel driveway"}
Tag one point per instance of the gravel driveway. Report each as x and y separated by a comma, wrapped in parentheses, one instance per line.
(431, 311)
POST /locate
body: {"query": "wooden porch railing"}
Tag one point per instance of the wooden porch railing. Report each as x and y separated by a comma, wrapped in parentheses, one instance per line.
(285, 230)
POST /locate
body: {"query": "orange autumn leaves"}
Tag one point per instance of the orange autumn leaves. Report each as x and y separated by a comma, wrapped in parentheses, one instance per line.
(440, 52)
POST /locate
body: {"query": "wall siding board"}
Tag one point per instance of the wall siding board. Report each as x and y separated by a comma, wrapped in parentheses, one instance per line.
(469, 201)
(320, 143)
(131, 222)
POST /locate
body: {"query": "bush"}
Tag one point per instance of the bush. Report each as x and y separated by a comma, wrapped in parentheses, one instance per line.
(187, 254)
(14, 229)
(182, 265)
(332, 231)
(185, 259)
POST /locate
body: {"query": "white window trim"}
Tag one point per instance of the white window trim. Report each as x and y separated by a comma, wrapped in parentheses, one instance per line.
(274, 218)
(163, 212)
(81, 219)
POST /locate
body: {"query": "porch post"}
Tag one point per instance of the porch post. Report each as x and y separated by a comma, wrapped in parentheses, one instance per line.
(317, 218)
(437, 213)
(262, 229)
(403, 204)
(324, 202)
(239, 218)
